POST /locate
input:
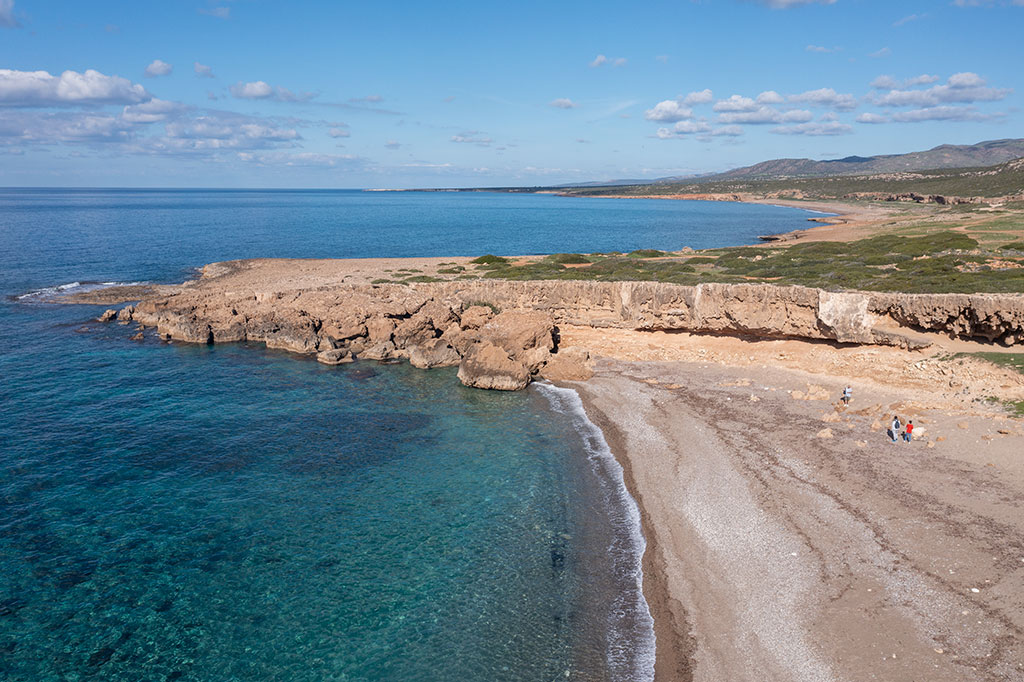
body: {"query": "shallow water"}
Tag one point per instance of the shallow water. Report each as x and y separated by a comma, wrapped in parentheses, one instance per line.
(181, 512)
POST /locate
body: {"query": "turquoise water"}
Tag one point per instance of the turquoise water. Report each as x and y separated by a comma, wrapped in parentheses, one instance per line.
(175, 512)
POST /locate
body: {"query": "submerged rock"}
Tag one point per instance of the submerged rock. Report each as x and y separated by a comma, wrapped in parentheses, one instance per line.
(334, 356)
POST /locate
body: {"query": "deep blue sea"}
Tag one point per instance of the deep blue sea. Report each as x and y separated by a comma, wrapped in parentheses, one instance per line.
(176, 512)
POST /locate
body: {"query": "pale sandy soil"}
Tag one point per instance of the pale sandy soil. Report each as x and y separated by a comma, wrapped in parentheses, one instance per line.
(782, 551)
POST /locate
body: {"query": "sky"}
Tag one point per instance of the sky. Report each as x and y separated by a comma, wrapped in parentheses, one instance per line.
(265, 93)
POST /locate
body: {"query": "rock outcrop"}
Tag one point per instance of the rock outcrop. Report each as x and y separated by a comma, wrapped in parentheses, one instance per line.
(512, 338)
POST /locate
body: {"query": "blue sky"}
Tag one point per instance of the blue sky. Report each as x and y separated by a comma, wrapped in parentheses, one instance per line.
(262, 93)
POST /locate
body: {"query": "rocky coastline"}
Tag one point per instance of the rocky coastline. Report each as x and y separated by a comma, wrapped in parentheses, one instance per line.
(501, 334)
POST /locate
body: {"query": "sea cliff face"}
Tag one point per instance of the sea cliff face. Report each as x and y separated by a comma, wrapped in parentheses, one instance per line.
(501, 333)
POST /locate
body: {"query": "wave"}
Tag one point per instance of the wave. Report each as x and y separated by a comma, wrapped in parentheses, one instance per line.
(71, 288)
(630, 654)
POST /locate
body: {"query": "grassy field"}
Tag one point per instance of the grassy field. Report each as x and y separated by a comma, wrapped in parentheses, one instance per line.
(936, 262)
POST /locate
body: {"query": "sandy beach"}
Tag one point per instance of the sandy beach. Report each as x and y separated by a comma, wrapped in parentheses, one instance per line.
(788, 538)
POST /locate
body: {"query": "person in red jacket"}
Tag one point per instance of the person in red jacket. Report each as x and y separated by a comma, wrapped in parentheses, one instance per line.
(908, 431)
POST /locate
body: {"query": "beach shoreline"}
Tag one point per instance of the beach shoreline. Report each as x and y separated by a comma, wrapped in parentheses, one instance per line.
(775, 552)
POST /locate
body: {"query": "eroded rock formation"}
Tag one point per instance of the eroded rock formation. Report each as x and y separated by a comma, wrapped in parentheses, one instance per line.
(503, 333)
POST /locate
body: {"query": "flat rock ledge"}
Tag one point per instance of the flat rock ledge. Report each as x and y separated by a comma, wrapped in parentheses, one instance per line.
(503, 334)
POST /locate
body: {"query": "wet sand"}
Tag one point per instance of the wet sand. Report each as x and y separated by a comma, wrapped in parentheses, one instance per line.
(788, 539)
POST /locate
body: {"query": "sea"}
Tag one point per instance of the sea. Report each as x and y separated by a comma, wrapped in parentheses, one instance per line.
(229, 512)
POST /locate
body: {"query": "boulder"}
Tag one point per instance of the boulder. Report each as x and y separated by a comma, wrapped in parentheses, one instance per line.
(335, 356)
(385, 350)
(124, 316)
(107, 316)
(518, 331)
(379, 329)
(348, 327)
(475, 316)
(489, 366)
(433, 353)
(571, 364)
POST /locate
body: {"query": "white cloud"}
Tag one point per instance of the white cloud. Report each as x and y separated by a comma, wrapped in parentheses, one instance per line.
(770, 97)
(40, 89)
(960, 88)
(620, 61)
(941, 113)
(814, 129)
(7, 19)
(822, 49)
(338, 132)
(202, 70)
(699, 97)
(909, 18)
(371, 99)
(158, 67)
(761, 115)
(884, 52)
(735, 103)
(869, 117)
(682, 129)
(890, 83)
(668, 111)
(727, 131)
(598, 61)
(300, 159)
(472, 137)
(562, 103)
(263, 90)
(152, 111)
(392, 144)
(826, 97)
(786, 4)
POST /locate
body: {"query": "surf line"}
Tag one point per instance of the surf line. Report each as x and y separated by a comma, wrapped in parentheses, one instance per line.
(631, 640)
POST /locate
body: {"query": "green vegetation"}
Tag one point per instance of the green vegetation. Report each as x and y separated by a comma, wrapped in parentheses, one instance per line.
(454, 270)
(569, 258)
(421, 278)
(1014, 361)
(1015, 246)
(936, 262)
(489, 259)
(494, 309)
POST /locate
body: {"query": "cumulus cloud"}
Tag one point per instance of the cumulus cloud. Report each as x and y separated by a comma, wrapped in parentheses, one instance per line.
(890, 83)
(300, 159)
(263, 90)
(562, 103)
(152, 111)
(822, 49)
(872, 118)
(40, 89)
(877, 54)
(683, 128)
(202, 70)
(668, 111)
(770, 97)
(727, 131)
(704, 96)
(826, 97)
(761, 115)
(960, 88)
(814, 129)
(338, 132)
(735, 103)
(7, 19)
(158, 67)
(598, 61)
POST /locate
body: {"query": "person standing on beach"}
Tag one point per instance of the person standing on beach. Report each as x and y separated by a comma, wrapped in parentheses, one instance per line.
(908, 431)
(894, 428)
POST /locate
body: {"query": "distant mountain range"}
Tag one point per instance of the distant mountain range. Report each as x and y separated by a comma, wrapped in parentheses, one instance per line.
(989, 153)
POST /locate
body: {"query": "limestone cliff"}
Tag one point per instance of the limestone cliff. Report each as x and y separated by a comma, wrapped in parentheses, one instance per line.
(454, 322)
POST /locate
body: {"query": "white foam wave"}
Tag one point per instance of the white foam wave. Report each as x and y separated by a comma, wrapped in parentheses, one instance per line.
(72, 288)
(630, 654)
